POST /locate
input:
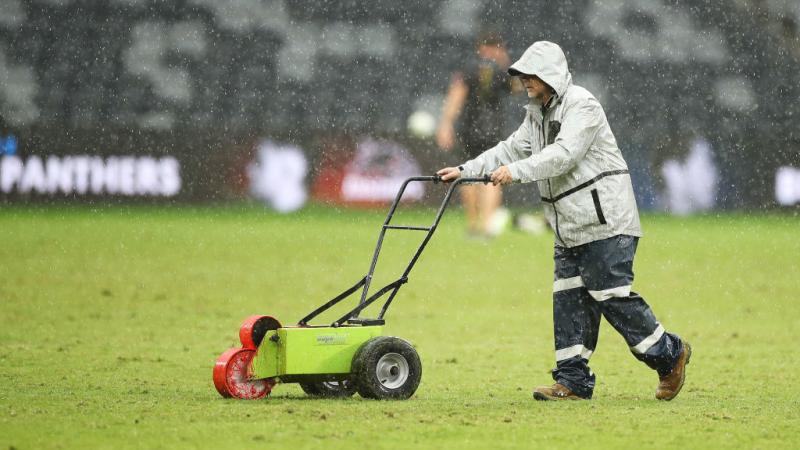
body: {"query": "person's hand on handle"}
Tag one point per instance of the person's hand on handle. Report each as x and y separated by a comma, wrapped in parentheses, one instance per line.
(449, 174)
(501, 176)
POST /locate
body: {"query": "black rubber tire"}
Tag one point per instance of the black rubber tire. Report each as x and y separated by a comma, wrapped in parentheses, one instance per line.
(365, 368)
(329, 389)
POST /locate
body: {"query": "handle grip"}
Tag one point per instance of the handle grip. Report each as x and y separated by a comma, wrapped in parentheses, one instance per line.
(484, 179)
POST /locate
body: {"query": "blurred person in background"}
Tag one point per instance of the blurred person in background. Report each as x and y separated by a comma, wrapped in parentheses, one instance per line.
(566, 145)
(476, 96)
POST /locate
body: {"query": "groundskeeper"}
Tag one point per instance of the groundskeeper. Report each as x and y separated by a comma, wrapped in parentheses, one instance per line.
(565, 144)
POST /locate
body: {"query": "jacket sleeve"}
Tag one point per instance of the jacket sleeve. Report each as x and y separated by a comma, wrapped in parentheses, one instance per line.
(580, 126)
(504, 153)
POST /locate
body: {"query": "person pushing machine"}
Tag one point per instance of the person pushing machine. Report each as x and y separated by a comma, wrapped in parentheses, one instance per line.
(565, 144)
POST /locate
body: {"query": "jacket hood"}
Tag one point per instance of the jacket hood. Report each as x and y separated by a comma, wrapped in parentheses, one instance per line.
(546, 60)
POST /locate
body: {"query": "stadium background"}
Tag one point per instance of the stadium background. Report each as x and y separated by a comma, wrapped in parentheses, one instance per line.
(114, 307)
(205, 81)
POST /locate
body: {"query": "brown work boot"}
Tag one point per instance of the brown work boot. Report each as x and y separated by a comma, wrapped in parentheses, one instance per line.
(670, 385)
(555, 392)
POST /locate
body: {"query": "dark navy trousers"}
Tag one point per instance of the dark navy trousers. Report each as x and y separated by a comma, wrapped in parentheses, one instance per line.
(594, 280)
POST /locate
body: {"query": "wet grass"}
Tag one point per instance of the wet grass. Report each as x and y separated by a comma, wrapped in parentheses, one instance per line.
(112, 318)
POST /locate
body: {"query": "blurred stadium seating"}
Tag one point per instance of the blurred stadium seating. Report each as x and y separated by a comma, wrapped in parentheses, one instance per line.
(664, 69)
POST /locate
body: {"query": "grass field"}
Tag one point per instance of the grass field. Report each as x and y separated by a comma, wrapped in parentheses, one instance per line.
(112, 319)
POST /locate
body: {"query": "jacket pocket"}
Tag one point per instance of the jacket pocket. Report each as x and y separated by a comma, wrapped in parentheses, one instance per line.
(597, 207)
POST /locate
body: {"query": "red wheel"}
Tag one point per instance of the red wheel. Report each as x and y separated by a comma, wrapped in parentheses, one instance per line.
(232, 376)
(253, 329)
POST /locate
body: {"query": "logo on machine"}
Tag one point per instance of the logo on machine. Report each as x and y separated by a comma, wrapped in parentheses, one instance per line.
(332, 339)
